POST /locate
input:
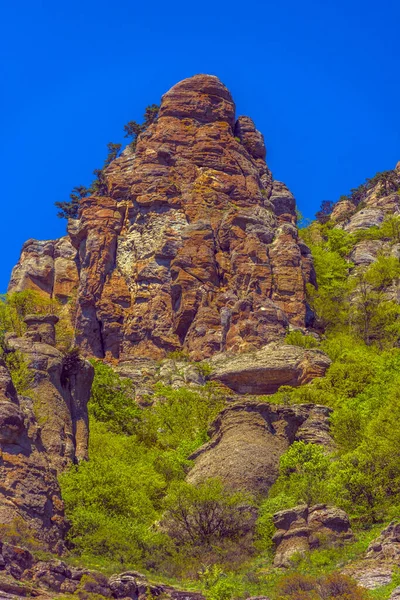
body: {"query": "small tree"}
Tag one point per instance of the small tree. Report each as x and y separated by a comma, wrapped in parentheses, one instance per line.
(324, 212)
(113, 153)
(150, 115)
(132, 130)
(99, 185)
(70, 208)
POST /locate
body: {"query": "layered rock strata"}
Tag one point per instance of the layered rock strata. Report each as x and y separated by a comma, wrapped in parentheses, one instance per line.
(265, 370)
(193, 246)
(248, 439)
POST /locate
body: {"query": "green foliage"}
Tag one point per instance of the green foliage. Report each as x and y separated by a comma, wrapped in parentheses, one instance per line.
(112, 400)
(22, 377)
(302, 474)
(19, 533)
(16, 306)
(133, 129)
(114, 500)
(217, 585)
(180, 419)
(113, 153)
(296, 338)
(296, 586)
(70, 208)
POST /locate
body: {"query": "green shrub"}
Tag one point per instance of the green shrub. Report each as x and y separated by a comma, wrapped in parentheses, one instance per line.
(112, 400)
(296, 338)
(206, 514)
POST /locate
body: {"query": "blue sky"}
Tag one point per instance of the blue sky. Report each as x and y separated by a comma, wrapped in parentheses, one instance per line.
(319, 78)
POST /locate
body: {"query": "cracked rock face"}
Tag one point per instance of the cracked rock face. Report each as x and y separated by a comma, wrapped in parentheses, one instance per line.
(248, 438)
(193, 247)
(60, 391)
(42, 434)
(29, 491)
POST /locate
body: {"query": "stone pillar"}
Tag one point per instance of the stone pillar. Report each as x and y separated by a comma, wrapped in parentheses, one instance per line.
(41, 328)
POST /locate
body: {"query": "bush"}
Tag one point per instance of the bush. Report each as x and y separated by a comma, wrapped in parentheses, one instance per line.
(304, 587)
(296, 338)
(206, 514)
(112, 400)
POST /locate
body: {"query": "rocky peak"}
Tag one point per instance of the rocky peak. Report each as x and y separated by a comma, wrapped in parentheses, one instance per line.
(193, 247)
(202, 97)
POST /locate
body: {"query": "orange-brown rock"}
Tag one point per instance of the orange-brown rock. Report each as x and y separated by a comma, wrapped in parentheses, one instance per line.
(193, 246)
(248, 438)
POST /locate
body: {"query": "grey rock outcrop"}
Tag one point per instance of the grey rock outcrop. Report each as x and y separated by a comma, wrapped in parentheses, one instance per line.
(47, 266)
(304, 528)
(265, 370)
(248, 438)
(60, 391)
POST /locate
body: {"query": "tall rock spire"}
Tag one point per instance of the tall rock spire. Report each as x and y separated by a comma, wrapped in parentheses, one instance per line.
(194, 246)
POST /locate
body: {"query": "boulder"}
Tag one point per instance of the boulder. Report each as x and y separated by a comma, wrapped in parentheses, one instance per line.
(25, 576)
(248, 438)
(49, 267)
(304, 528)
(365, 218)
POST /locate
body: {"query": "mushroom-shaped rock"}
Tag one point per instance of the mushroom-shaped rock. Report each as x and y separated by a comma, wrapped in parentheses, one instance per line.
(305, 528)
(41, 328)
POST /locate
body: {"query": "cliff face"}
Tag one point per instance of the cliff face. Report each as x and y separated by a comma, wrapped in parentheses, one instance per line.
(194, 246)
(42, 434)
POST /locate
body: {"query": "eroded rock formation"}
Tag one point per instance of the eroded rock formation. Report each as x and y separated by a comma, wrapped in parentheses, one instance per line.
(49, 267)
(193, 245)
(41, 434)
(248, 439)
(29, 492)
(60, 391)
(304, 528)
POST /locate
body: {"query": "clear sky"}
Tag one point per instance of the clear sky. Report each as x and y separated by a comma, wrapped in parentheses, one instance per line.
(320, 78)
